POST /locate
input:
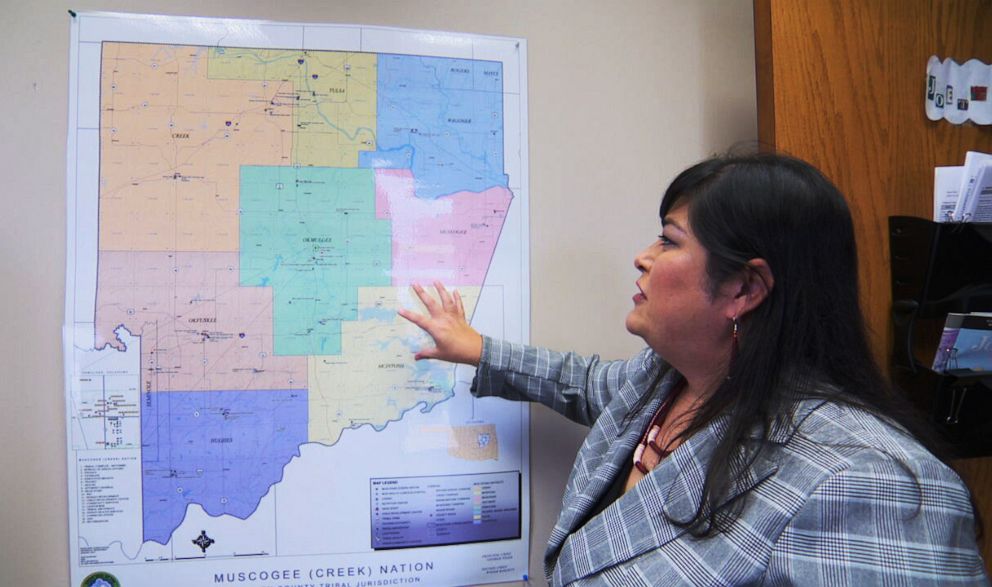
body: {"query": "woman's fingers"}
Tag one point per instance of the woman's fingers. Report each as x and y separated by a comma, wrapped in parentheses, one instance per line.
(446, 302)
(454, 338)
(425, 298)
(428, 353)
(418, 319)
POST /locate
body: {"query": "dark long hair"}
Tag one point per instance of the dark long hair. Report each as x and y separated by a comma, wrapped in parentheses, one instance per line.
(808, 338)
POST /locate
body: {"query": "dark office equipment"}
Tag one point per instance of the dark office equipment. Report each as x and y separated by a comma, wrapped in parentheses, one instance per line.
(939, 268)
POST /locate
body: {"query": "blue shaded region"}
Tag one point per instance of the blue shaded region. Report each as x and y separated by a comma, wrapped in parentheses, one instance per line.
(439, 376)
(449, 114)
(222, 450)
(312, 235)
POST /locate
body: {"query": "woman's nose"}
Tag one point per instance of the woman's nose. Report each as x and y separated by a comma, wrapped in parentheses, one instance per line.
(643, 260)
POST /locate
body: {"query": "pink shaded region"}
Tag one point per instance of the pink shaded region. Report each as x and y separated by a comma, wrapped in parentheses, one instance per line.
(450, 239)
(199, 329)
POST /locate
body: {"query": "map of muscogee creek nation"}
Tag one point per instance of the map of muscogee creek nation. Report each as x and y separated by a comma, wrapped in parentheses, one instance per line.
(242, 399)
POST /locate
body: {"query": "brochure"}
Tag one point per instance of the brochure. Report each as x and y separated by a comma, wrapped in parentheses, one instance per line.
(968, 193)
(965, 343)
(946, 185)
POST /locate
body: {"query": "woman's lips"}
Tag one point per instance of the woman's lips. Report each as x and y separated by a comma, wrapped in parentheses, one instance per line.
(639, 296)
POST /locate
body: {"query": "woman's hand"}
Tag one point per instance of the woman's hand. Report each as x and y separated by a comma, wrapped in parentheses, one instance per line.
(454, 339)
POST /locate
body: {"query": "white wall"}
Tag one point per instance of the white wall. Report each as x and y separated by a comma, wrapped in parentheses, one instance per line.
(623, 94)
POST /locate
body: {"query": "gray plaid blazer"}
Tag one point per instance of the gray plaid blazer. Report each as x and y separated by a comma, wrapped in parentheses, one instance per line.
(848, 500)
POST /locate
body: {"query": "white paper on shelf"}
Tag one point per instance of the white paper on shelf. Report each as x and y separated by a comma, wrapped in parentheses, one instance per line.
(946, 183)
(974, 161)
(983, 195)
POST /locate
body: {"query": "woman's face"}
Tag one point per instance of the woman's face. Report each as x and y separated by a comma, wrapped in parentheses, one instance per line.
(674, 311)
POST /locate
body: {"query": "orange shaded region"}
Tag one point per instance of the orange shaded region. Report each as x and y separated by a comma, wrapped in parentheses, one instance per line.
(171, 143)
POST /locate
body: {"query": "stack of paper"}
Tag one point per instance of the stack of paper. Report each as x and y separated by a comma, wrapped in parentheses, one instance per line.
(964, 193)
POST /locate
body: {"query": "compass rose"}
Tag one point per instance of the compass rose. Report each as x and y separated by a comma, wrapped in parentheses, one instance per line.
(203, 541)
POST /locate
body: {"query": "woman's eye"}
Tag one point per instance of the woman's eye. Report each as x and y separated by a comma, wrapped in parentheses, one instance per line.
(664, 240)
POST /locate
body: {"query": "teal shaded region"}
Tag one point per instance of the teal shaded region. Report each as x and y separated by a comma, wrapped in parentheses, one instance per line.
(311, 234)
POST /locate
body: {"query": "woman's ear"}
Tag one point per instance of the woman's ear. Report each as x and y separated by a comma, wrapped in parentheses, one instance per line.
(753, 286)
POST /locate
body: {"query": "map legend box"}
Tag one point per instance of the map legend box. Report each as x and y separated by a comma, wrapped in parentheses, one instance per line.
(444, 509)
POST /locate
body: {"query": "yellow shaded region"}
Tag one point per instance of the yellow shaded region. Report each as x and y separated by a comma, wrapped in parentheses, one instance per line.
(375, 380)
(332, 95)
(171, 146)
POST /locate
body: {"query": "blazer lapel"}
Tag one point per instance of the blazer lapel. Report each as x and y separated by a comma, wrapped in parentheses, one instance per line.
(639, 520)
(596, 470)
(586, 493)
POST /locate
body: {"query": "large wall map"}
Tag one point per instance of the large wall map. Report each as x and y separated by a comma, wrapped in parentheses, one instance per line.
(260, 214)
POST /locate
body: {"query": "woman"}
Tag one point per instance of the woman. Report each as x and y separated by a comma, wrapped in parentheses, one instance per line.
(754, 441)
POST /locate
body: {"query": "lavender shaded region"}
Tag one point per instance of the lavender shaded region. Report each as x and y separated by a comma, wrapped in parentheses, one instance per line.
(222, 450)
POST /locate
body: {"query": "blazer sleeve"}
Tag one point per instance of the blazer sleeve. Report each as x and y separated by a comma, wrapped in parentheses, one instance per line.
(881, 523)
(575, 386)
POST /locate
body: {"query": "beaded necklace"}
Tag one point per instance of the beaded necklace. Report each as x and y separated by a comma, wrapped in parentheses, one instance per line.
(650, 436)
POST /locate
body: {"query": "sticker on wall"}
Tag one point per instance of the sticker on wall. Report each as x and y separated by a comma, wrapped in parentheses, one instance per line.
(958, 93)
